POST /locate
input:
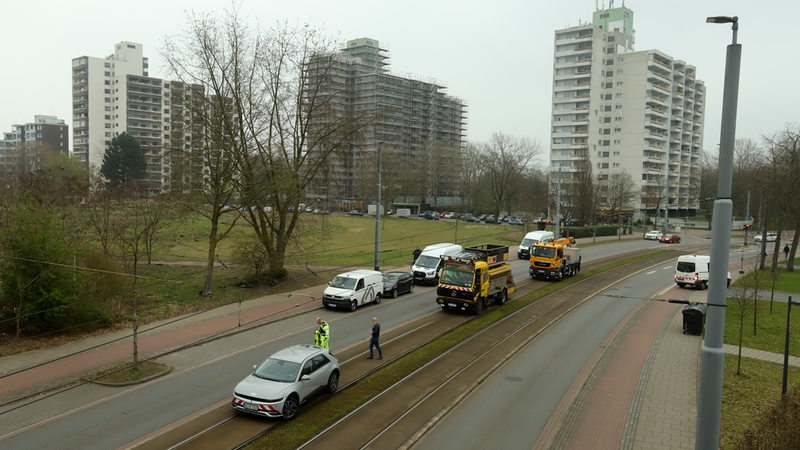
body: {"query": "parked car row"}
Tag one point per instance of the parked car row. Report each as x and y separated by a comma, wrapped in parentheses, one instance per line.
(771, 237)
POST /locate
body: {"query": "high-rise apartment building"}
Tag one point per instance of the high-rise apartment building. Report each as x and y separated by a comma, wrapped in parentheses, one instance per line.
(419, 128)
(23, 148)
(113, 95)
(619, 111)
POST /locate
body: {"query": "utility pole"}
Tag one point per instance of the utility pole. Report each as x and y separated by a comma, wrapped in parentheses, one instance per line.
(378, 215)
(558, 202)
(712, 354)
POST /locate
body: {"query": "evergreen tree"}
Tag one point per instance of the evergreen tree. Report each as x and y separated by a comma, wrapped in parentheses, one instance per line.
(123, 161)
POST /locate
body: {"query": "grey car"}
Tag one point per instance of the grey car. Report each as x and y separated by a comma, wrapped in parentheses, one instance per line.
(284, 381)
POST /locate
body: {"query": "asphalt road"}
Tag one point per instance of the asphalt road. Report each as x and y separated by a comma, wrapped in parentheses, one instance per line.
(517, 401)
(98, 417)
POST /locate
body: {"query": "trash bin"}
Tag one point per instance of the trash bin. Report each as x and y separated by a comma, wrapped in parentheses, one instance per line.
(694, 317)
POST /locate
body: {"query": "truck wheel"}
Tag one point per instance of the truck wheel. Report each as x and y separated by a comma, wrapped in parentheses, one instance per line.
(478, 307)
(378, 298)
(503, 298)
(681, 285)
(353, 305)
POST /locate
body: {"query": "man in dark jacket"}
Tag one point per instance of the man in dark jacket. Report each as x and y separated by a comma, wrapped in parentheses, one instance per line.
(374, 341)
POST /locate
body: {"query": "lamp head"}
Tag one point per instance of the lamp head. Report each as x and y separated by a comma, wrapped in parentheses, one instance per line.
(722, 19)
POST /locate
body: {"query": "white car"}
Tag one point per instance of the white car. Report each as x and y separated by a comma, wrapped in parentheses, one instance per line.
(771, 237)
(653, 235)
(284, 381)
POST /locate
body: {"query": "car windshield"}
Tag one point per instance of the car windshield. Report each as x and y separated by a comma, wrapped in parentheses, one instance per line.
(278, 370)
(427, 261)
(344, 283)
(457, 277)
(526, 242)
(547, 252)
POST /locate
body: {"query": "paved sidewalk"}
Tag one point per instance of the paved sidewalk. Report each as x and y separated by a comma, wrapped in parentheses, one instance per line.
(31, 372)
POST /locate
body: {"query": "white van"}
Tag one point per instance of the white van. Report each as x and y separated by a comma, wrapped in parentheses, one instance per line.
(353, 289)
(534, 237)
(692, 270)
(427, 265)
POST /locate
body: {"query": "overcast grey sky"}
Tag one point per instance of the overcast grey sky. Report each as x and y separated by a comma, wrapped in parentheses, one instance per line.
(495, 55)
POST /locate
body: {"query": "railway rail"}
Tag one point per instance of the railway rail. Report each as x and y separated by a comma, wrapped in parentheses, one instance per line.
(390, 419)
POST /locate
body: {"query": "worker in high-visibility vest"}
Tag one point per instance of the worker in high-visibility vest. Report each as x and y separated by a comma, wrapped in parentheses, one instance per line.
(322, 335)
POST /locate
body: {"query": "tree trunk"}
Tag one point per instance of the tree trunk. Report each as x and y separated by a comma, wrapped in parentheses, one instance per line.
(212, 251)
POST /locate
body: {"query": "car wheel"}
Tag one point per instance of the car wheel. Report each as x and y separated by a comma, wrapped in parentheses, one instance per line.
(394, 293)
(411, 288)
(378, 298)
(290, 407)
(681, 285)
(353, 305)
(333, 381)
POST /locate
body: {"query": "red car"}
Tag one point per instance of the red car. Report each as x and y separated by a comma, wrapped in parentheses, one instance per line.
(670, 239)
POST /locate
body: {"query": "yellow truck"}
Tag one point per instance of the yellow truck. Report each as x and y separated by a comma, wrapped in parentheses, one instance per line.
(555, 260)
(475, 278)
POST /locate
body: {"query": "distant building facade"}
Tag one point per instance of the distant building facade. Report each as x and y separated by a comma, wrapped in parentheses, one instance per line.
(419, 129)
(23, 148)
(618, 110)
(115, 94)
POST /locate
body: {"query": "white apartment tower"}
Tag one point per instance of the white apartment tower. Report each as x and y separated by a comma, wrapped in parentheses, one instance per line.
(616, 110)
(114, 94)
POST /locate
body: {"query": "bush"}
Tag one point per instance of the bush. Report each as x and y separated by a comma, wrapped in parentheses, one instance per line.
(778, 425)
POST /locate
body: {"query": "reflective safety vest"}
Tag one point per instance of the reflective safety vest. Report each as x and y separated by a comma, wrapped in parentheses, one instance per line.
(322, 335)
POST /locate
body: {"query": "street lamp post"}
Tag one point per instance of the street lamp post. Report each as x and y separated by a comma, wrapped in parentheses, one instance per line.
(712, 357)
(378, 215)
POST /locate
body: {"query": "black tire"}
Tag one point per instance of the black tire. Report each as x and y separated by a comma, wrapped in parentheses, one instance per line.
(333, 381)
(353, 305)
(703, 285)
(503, 298)
(681, 285)
(290, 407)
(478, 307)
(394, 293)
(378, 298)
(411, 288)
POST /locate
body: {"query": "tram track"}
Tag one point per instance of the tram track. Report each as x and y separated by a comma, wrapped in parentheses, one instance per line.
(387, 420)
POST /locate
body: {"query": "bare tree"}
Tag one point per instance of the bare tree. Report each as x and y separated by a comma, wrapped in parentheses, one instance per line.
(619, 191)
(283, 117)
(472, 171)
(206, 61)
(506, 159)
(783, 161)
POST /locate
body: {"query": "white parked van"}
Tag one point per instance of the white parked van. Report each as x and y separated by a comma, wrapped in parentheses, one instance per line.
(427, 265)
(692, 270)
(532, 238)
(353, 289)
